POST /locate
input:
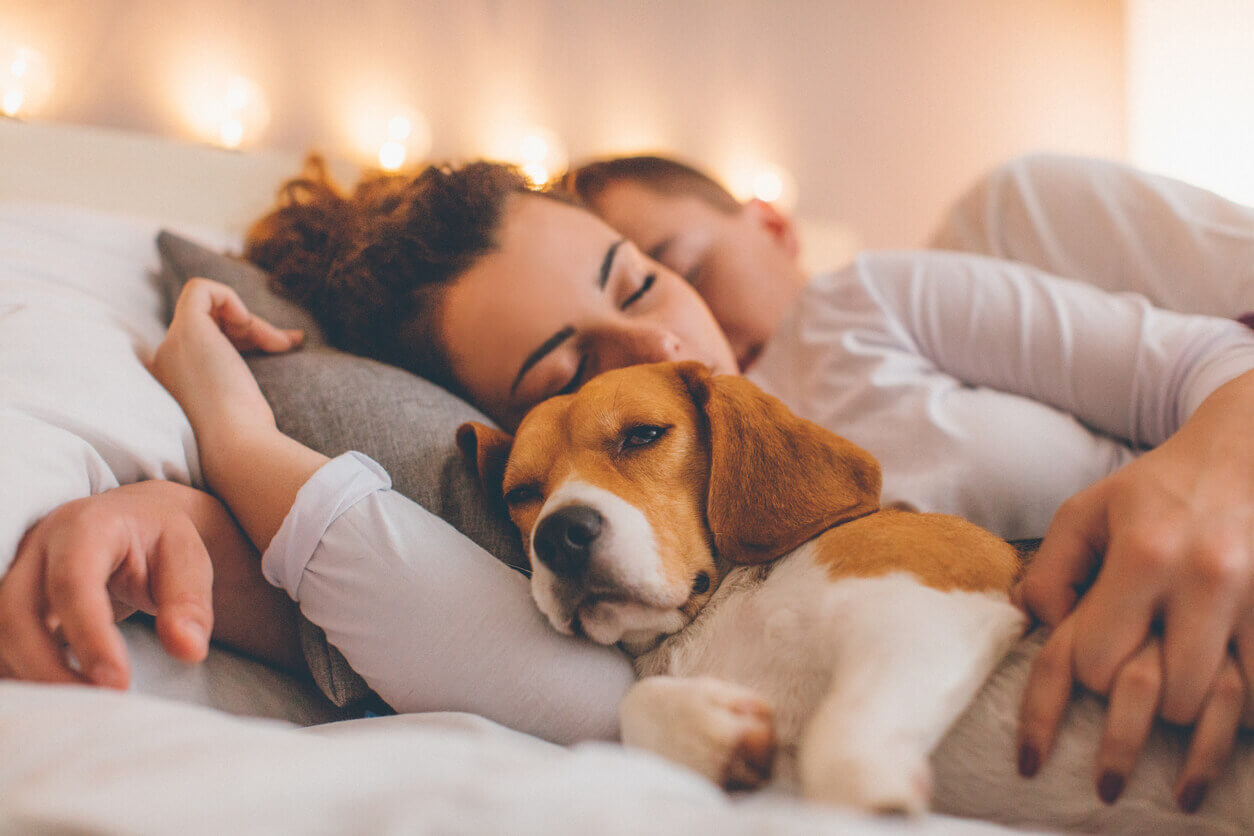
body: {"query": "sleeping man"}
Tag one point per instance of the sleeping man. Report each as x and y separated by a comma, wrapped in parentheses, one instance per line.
(985, 387)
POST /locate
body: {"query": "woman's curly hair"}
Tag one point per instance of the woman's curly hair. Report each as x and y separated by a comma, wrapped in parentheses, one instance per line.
(372, 265)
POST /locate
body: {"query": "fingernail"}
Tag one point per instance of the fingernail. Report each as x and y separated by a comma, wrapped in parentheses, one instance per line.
(1029, 760)
(1191, 798)
(104, 673)
(1110, 787)
(195, 630)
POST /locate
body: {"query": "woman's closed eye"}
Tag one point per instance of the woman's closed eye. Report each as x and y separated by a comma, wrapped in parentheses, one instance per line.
(575, 379)
(644, 288)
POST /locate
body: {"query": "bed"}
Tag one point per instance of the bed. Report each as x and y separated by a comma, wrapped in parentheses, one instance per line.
(231, 745)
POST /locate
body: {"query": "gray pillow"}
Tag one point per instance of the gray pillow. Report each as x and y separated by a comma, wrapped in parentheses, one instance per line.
(333, 402)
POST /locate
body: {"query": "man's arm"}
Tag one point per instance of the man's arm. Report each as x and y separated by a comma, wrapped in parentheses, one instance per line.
(1113, 226)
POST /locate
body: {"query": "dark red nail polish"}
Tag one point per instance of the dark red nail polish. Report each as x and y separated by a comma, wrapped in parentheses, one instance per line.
(1110, 787)
(1029, 760)
(1191, 798)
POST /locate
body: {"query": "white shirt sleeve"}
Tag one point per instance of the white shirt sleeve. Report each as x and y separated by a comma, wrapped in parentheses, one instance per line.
(1112, 360)
(1116, 227)
(431, 621)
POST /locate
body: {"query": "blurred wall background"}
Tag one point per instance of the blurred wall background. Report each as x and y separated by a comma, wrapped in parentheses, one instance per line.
(879, 112)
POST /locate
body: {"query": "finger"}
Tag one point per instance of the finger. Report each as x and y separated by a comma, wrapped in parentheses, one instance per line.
(1114, 618)
(1199, 624)
(1067, 559)
(1213, 737)
(1195, 645)
(27, 647)
(1245, 662)
(181, 583)
(257, 334)
(1129, 718)
(245, 330)
(76, 585)
(1045, 697)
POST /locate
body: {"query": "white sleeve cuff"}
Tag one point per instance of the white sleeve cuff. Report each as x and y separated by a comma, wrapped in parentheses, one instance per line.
(331, 491)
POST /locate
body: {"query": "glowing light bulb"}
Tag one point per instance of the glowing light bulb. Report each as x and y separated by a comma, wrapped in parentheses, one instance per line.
(226, 110)
(13, 102)
(537, 152)
(399, 128)
(768, 186)
(230, 133)
(535, 173)
(380, 131)
(24, 81)
(391, 155)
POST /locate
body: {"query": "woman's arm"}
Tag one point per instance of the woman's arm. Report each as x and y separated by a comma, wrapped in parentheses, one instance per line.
(429, 620)
(246, 461)
(1114, 361)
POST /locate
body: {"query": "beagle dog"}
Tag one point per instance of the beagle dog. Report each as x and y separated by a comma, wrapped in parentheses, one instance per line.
(739, 553)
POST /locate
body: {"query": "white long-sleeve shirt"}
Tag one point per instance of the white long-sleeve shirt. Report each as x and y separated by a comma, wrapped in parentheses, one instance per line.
(987, 388)
(429, 619)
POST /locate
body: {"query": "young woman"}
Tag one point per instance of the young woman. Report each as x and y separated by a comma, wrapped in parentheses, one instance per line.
(508, 297)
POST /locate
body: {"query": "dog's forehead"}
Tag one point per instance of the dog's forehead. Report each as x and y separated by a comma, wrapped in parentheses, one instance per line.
(600, 409)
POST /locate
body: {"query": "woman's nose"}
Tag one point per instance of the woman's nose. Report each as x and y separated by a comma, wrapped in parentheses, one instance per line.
(651, 344)
(639, 342)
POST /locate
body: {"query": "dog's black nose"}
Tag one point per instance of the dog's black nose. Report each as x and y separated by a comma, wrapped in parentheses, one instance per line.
(563, 540)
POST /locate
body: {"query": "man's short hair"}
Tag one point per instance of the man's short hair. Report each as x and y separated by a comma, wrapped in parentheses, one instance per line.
(659, 174)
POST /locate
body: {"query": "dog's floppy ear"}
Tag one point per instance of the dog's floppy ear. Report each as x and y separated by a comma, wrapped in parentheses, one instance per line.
(486, 449)
(776, 480)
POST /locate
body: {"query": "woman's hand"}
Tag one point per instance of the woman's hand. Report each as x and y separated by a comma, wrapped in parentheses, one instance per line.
(1133, 702)
(95, 561)
(199, 361)
(1166, 542)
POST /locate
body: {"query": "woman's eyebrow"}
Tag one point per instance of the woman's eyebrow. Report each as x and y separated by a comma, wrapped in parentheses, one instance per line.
(566, 333)
(538, 355)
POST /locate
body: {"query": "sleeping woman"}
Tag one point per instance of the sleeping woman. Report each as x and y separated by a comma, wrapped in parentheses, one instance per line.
(987, 388)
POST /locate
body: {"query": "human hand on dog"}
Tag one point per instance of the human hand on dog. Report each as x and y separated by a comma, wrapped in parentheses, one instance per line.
(1166, 541)
(95, 561)
(1133, 702)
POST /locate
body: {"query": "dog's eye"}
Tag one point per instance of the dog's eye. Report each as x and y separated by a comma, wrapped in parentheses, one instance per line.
(643, 435)
(521, 494)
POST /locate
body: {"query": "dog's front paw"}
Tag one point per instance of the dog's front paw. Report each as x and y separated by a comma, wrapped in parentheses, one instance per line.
(722, 730)
(891, 778)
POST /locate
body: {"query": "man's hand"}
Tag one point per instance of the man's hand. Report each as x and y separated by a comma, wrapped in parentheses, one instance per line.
(92, 562)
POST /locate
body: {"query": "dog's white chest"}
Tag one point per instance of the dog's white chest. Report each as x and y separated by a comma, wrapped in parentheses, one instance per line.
(786, 631)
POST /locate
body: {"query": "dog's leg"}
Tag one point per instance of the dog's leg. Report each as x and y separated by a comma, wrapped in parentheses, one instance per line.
(722, 730)
(907, 661)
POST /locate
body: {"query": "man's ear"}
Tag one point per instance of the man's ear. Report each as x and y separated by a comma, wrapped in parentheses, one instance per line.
(486, 449)
(776, 480)
(775, 221)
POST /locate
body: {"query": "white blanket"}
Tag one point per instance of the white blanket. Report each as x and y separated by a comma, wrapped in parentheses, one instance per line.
(88, 761)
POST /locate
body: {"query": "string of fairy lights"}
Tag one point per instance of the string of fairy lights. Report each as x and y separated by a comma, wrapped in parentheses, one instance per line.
(232, 112)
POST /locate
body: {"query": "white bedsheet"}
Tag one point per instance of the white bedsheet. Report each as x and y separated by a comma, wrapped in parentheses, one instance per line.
(87, 761)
